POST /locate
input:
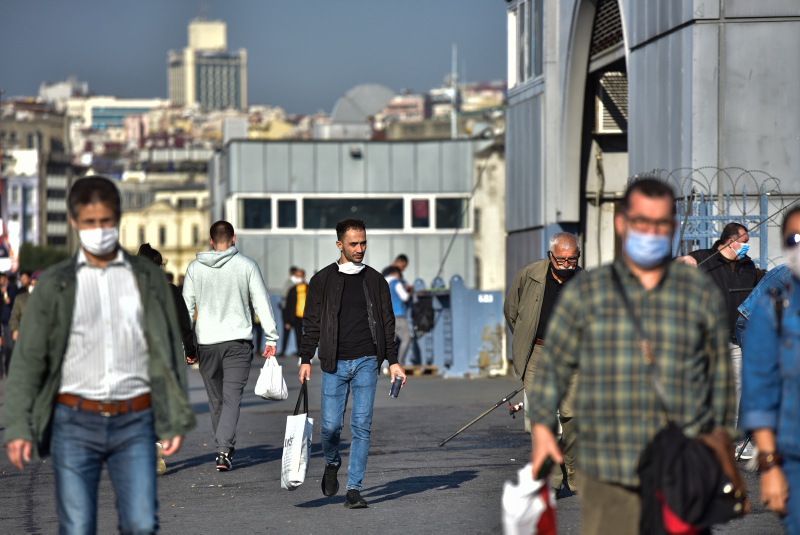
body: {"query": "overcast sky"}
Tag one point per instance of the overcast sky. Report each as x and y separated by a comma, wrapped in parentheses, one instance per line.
(302, 54)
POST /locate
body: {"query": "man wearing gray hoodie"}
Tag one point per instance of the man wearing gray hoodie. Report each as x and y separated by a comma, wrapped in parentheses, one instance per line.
(219, 285)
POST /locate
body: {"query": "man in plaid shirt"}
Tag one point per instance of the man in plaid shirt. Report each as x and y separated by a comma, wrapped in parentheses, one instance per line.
(682, 314)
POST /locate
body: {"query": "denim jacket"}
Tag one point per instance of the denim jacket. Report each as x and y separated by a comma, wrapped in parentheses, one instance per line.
(776, 277)
(771, 370)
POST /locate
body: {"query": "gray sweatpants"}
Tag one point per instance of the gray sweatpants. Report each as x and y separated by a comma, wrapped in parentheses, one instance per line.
(225, 369)
(402, 330)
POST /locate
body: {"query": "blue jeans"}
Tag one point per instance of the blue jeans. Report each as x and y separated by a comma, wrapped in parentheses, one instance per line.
(791, 467)
(81, 443)
(360, 376)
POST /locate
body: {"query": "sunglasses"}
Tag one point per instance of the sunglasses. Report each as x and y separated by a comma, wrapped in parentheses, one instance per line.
(792, 240)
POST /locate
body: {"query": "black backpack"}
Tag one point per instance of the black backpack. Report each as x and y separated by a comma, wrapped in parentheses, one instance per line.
(422, 314)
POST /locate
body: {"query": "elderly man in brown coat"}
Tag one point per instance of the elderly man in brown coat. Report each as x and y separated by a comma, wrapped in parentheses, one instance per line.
(529, 304)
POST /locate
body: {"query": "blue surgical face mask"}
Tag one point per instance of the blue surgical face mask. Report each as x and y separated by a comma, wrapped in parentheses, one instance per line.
(647, 250)
(742, 251)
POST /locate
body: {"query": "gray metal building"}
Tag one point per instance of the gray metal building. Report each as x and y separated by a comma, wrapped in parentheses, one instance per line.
(284, 199)
(600, 90)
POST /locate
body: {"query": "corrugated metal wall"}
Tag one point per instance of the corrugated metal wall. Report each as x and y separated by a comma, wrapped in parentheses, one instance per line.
(524, 164)
(660, 98)
(349, 167)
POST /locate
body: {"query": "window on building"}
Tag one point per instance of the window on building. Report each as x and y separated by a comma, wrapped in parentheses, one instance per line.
(420, 213)
(195, 235)
(14, 194)
(377, 213)
(287, 213)
(141, 236)
(255, 213)
(188, 202)
(56, 240)
(27, 224)
(56, 217)
(162, 235)
(30, 142)
(27, 196)
(525, 40)
(452, 213)
(53, 193)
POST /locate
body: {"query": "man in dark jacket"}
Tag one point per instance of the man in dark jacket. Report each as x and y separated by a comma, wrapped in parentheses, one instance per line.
(730, 267)
(348, 316)
(9, 292)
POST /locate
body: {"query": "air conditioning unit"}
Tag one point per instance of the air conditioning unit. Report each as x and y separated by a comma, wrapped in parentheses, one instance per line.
(611, 103)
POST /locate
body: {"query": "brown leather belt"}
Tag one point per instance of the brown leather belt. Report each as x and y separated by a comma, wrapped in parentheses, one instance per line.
(539, 342)
(106, 408)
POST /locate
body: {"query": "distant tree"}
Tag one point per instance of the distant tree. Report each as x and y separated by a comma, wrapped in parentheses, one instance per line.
(33, 257)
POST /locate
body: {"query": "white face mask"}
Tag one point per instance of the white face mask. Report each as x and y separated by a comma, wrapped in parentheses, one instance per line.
(296, 280)
(792, 256)
(99, 241)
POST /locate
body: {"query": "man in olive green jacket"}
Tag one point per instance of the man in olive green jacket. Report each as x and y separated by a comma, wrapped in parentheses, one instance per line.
(527, 308)
(99, 373)
(30, 396)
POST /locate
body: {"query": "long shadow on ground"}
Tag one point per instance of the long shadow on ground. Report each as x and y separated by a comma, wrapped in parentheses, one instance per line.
(250, 456)
(403, 487)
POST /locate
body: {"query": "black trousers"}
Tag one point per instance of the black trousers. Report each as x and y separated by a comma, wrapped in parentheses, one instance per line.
(8, 348)
(296, 325)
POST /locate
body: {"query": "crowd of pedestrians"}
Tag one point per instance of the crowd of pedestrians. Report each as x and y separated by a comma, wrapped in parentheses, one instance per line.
(706, 342)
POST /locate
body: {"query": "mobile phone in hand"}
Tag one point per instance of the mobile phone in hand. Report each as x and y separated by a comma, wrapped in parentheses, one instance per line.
(544, 470)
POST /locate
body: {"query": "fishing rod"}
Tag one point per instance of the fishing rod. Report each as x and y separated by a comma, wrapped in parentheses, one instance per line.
(505, 399)
(748, 231)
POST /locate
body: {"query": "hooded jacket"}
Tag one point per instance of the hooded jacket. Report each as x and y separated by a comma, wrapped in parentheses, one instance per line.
(221, 284)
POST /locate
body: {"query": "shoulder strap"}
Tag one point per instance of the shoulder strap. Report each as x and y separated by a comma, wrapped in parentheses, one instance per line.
(303, 397)
(647, 355)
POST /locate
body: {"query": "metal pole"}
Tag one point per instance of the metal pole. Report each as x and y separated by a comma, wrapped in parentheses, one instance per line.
(454, 89)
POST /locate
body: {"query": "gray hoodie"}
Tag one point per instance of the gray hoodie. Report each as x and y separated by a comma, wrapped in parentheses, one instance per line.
(221, 285)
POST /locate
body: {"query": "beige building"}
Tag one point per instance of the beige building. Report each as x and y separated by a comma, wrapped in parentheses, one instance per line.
(176, 223)
(205, 73)
(490, 215)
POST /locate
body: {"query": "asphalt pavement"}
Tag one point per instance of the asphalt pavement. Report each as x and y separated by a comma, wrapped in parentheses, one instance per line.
(412, 485)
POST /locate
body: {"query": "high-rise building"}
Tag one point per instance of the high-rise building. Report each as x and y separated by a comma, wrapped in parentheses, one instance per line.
(205, 73)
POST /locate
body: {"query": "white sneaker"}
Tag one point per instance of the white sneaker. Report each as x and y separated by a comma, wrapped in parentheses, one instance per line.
(747, 454)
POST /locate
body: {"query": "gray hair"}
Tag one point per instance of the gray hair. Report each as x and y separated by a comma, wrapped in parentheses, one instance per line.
(564, 239)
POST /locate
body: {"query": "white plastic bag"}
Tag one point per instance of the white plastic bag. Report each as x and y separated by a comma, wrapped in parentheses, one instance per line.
(528, 507)
(270, 384)
(297, 445)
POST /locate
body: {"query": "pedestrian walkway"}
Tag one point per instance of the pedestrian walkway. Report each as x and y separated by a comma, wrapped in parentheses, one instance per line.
(412, 485)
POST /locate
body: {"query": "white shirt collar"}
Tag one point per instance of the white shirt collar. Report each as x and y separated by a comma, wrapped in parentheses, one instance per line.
(118, 260)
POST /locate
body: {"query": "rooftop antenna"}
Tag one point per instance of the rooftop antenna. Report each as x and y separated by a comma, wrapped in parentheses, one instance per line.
(202, 11)
(454, 93)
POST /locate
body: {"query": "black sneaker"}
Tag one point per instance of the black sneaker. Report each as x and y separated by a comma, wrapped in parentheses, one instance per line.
(354, 500)
(230, 453)
(330, 482)
(223, 462)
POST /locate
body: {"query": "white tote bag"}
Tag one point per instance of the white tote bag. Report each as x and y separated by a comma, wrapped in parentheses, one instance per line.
(270, 384)
(297, 444)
